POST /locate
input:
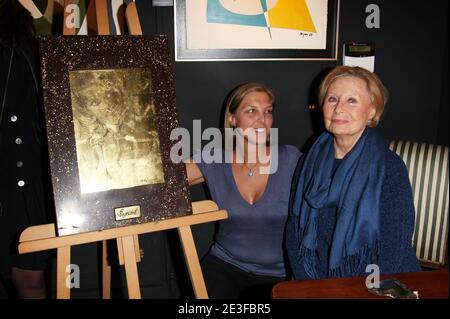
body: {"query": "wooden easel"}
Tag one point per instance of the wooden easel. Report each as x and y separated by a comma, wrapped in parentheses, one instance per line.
(43, 237)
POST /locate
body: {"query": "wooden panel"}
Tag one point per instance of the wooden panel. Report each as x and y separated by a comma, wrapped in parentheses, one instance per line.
(101, 7)
(131, 14)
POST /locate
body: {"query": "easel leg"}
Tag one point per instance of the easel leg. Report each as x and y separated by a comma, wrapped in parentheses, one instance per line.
(190, 254)
(106, 272)
(62, 261)
(129, 254)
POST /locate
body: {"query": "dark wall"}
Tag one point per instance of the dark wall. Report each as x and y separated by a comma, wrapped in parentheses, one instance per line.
(411, 59)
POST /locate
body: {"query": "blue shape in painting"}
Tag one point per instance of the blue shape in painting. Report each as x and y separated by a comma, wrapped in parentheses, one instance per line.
(216, 13)
(264, 5)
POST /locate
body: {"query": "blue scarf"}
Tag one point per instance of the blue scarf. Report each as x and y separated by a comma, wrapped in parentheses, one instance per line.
(354, 190)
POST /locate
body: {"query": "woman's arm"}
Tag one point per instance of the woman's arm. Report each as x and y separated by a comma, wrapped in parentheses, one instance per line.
(194, 175)
(397, 220)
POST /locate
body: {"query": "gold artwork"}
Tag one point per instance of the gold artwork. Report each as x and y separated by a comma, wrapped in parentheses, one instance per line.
(116, 136)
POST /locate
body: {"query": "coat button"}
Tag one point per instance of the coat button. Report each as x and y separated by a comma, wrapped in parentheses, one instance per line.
(21, 183)
(18, 141)
(13, 118)
(19, 164)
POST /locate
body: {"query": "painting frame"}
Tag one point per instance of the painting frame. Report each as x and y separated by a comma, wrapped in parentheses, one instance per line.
(183, 53)
(107, 132)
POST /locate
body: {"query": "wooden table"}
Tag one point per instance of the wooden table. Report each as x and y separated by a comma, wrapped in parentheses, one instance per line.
(429, 284)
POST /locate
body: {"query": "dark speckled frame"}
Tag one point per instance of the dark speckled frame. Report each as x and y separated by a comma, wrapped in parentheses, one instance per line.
(95, 211)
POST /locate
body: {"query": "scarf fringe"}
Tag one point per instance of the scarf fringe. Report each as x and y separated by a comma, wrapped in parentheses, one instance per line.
(309, 259)
(351, 266)
(355, 265)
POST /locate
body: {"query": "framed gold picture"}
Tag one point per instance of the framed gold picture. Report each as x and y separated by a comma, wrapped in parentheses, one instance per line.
(208, 30)
(110, 108)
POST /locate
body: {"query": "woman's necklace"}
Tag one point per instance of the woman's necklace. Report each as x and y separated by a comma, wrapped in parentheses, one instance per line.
(251, 171)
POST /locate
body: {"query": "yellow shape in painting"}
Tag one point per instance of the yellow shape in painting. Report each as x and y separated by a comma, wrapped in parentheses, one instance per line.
(289, 14)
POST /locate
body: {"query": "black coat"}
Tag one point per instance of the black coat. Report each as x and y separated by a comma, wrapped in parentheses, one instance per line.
(22, 169)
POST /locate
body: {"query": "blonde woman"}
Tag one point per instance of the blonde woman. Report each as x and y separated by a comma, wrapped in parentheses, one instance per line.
(247, 257)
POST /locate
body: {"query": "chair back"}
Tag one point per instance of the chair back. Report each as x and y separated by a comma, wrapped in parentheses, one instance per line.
(428, 171)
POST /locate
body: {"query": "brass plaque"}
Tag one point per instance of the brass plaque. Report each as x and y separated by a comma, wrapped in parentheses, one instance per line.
(109, 112)
(116, 136)
(129, 212)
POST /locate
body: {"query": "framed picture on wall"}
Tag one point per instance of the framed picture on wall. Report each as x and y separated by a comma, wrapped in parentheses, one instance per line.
(211, 30)
(110, 109)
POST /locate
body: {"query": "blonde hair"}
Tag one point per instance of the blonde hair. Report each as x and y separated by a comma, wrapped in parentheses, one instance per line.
(377, 92)
(239, 93)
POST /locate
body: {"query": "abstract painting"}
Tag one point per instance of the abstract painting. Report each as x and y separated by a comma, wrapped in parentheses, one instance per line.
(256, 29)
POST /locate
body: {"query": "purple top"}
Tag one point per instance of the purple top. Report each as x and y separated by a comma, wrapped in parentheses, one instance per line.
(252, 236)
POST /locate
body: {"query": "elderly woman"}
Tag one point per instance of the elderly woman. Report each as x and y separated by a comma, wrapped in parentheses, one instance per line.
(351, 201)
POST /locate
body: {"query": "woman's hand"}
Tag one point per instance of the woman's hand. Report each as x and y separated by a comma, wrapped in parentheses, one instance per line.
(194, 175)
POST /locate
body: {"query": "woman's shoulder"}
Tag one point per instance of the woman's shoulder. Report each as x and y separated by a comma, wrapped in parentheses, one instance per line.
(211, 156)
(396, 171)
(394, 162)
(290, 151)
(288, 157)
